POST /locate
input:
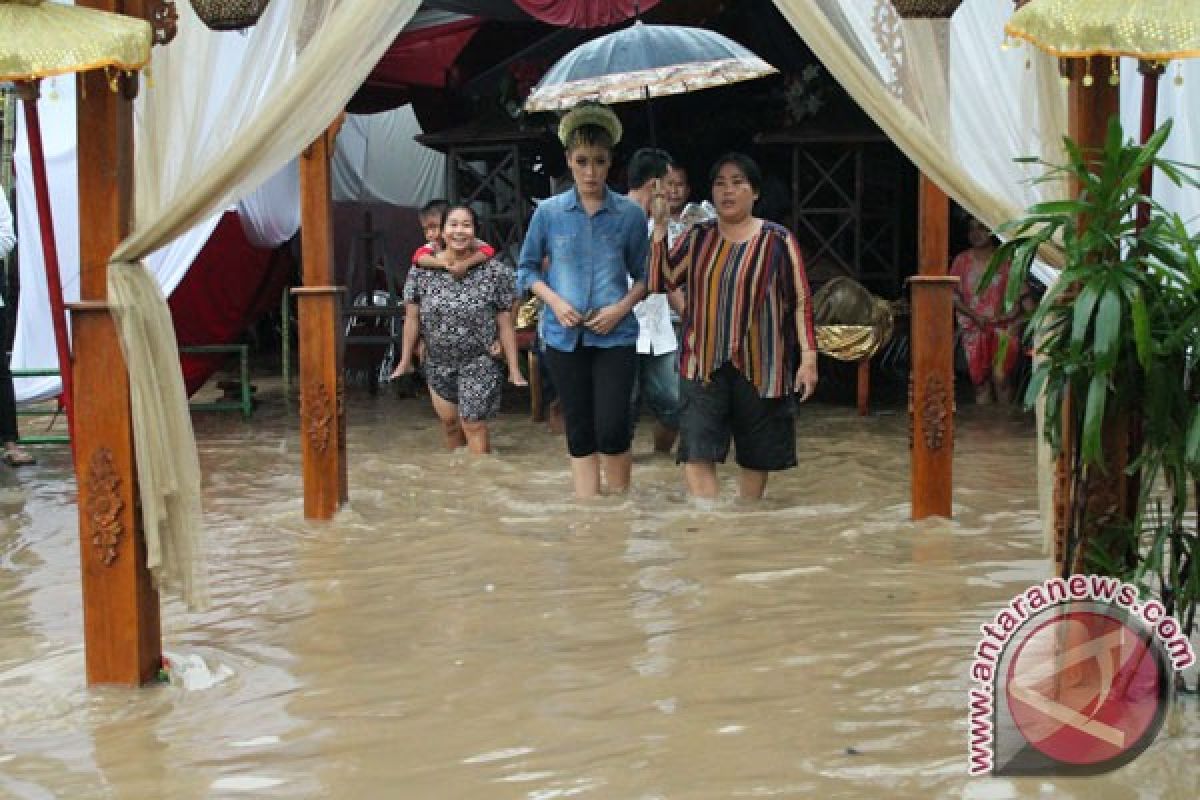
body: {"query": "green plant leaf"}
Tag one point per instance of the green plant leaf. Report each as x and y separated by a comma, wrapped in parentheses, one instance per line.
(1108, 331)
(1192, 447)
(1093, 420)
(1141, 329)
(1085, 306)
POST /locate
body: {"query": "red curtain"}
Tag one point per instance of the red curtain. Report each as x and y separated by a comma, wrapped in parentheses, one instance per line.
(423, 57)
(229, 286)
(583, 13)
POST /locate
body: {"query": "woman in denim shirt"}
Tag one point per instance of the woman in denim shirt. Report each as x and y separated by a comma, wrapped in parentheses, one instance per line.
(594, 244)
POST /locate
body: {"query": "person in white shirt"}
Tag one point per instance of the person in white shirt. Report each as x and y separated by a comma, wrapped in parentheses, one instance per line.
(658, 363)
(12, 452)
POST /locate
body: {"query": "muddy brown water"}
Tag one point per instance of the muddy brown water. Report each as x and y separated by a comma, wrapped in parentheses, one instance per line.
(464, 630)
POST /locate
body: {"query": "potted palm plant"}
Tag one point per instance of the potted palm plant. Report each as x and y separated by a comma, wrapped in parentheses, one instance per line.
(1119, 334)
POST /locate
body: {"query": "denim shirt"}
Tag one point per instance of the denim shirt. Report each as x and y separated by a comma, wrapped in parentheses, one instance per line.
(592, 259)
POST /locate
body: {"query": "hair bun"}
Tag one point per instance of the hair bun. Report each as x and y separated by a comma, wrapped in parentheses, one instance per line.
(589, 113)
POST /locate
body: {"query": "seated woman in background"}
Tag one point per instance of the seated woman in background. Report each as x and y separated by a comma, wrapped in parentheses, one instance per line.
(981, 318)
(748, 340)
(459, 319)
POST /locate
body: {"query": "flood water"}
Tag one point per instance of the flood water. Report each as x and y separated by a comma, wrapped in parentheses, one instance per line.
(464, 630)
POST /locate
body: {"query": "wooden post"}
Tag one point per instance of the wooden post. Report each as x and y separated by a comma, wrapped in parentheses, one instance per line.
(120, 603)
(931, 382)
(1089, 109)
(322, 405)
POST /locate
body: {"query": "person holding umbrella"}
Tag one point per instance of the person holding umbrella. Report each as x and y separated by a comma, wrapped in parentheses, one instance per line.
(748, 338)
(585, 257)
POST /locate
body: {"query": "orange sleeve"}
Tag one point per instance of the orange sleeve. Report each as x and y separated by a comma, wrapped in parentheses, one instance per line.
(668, 266)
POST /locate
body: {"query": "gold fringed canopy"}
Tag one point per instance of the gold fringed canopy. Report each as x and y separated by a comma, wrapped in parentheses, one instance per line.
(42, 39)
(1152, 30)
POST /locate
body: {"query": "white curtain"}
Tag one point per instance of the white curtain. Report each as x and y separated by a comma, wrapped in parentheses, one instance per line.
(963, 122)
(270, 215)
(198, 154)
(957, 105)
(1180, 102)
(377, 160)
(33, 346)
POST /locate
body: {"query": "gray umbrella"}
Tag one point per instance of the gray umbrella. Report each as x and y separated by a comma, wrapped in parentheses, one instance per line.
(644, 61)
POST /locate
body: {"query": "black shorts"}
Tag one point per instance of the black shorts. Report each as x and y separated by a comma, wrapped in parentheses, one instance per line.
(763, 428)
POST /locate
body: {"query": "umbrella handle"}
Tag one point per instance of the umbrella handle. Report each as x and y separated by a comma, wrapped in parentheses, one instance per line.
(650, 117)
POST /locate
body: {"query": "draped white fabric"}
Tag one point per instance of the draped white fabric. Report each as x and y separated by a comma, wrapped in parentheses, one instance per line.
(197, 155)
(964, 126)
(33, 346)
(1182, 104)
(270, 215)
(377, 160)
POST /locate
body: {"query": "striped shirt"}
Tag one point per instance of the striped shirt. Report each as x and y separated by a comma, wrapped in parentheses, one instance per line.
(748, 303)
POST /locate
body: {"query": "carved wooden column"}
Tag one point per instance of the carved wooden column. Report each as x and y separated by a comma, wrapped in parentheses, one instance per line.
(931, 382)
(322, 404)
(120, 603)
(1089, 109)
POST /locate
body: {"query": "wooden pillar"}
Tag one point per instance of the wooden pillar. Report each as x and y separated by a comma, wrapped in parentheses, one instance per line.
(1089, 109)
(931, 382)
(120, 603)
(322, 405)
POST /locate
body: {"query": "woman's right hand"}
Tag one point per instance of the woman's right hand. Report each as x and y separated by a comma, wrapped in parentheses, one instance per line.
(566, 314)
(659, 211)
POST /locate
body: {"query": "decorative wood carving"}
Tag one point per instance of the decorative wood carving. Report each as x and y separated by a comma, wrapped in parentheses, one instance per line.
(340, 410)
(911, 410)
(888, 28)
(164, 19)
(935, 410)
(317, 414)
(104, 505)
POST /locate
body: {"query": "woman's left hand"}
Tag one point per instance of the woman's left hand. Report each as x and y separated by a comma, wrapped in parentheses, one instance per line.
(605, 319)
(806, 379)
(516, 378)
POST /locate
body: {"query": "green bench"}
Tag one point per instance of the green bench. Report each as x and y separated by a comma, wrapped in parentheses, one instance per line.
(245, 392)
(47, 438)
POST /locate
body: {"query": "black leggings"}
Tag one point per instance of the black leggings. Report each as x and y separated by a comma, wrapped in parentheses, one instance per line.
(594, 384)
(8, 402)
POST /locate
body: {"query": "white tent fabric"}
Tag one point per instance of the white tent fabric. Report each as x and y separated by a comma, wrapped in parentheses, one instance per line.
(270, 215)
(33, 346)
(378, 161)
(308, 59)
(1182, 104)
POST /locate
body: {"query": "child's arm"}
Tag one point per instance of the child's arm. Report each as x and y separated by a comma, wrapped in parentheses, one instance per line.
(459, 271)
(441, 260)
(508, 341)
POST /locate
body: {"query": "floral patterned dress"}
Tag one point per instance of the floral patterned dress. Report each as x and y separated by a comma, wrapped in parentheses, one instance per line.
(458, 322)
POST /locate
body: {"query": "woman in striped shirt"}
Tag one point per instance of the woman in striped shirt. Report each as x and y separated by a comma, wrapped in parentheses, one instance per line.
(748, 341)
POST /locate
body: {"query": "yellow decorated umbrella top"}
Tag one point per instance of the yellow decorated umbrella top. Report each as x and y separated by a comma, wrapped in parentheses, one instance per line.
(1152, 30)
(42, 39)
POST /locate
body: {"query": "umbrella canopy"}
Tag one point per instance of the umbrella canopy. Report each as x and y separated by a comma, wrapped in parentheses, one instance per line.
(40, 39)
(644, 61)
(1152, 30)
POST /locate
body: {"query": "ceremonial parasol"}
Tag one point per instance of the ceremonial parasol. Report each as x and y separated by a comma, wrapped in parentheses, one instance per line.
(39, 40)
(644, 61)
(1152, 31)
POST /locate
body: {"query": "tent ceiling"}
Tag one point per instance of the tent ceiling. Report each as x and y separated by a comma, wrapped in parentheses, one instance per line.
(566, 13)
